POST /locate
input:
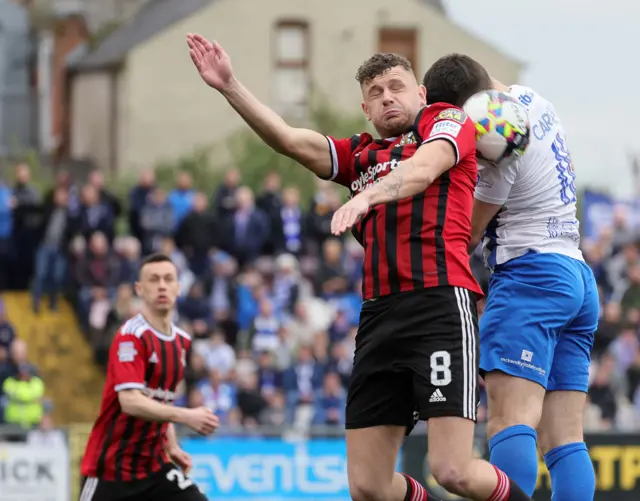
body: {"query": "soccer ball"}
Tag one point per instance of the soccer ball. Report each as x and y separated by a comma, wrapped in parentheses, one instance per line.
(502, 127)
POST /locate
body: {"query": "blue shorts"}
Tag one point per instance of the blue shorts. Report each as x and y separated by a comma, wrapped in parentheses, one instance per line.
(539, 321)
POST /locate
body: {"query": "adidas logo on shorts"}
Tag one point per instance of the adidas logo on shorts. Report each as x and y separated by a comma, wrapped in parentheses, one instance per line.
(437, 396)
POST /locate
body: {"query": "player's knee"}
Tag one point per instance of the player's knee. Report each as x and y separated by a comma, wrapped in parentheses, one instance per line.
(362, 491)
(513, 401)
(562, 418)
(450, 475)
(497, 423)
(550, 438)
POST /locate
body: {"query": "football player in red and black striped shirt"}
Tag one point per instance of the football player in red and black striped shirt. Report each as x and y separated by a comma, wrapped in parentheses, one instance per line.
(132, 451)
(417, 344)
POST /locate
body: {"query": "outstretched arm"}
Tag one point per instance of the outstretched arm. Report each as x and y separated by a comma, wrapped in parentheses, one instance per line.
(309, 148)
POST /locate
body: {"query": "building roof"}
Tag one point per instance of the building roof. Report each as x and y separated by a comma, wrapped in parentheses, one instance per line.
(436, 4)
(152, 19)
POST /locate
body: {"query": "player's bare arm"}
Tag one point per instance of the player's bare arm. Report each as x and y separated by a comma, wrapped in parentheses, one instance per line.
(483, 213)
(410, 177)
(137, 404)
(309, 148)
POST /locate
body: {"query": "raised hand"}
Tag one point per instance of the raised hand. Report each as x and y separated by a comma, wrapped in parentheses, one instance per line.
(211, 61)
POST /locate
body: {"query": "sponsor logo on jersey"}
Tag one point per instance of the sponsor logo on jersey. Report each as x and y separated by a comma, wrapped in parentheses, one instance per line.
(127, 351)
(369, 176)
(448, 127)
(160, 394)
(452, 114)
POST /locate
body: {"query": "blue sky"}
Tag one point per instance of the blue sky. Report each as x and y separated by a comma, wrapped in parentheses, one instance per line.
(582, 56)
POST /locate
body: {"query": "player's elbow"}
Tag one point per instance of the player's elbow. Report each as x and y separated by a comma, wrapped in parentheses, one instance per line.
(432, 160)
(129, 401)
(288, 143)
(476, 237)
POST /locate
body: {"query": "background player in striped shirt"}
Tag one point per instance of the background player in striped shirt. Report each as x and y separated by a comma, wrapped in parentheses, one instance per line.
(542, 310)
(132, 448)
(416, 349)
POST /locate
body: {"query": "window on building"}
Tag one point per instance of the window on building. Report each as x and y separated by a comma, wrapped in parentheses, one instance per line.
(291, 69)
(400, 41)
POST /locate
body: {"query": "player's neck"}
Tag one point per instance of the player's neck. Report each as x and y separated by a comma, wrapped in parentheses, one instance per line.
(499, 86)
(159, 321)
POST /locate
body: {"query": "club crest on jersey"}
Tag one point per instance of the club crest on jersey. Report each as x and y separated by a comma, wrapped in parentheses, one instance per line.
(452, 114)
(408, 138)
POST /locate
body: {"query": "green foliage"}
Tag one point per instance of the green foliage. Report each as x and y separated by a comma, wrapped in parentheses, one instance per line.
(40, 175)
(328, 120)
(198, 163)
(248, 153)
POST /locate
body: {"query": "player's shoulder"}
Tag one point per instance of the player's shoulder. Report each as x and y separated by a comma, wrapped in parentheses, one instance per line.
(526, 96)
(443, 111)
(353, 144)
(134, 327)
(181, 332)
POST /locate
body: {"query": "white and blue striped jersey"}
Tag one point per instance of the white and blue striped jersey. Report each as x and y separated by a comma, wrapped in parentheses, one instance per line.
(537, 193)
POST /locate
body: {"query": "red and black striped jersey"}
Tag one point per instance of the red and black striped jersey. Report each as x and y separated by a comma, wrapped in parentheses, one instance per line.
(420, 241)
(122, 447)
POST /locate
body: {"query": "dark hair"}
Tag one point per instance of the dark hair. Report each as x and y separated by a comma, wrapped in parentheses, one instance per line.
(156, 258)
(454, 78)
(379, 63)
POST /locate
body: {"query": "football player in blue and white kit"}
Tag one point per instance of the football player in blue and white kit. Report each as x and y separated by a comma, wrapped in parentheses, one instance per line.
(541, 313)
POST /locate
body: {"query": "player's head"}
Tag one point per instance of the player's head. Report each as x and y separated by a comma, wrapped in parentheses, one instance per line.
(158, 283)
(454, 78)
(391, 95)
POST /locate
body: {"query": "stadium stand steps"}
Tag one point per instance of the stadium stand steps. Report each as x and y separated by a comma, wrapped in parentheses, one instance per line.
(60, 351)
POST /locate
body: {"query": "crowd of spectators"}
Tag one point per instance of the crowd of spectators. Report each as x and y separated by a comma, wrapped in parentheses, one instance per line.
(270, 297)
